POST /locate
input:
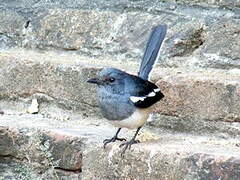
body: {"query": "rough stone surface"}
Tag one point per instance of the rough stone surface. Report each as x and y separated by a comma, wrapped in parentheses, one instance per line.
(195, 126)
(120, 29)
(197, 71)
(204, 94)
(38, 152)
(160, 161)
(223, 3)
(23, 4)
(222, 45)
(62, 83)
(210, 95)
(48, 148)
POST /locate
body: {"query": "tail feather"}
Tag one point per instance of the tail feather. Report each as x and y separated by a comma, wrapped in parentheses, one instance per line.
(151, 52)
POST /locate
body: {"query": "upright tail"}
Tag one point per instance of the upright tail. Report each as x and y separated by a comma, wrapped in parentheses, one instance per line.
(151, 52)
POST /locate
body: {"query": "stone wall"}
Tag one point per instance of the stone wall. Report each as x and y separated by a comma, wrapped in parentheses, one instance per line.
(198, 35)
(49, 48)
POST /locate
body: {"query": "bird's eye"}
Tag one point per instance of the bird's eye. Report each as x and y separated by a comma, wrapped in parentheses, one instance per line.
(111, 79)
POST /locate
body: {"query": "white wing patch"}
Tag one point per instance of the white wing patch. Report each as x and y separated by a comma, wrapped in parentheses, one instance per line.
(151, 94)
(135, 99)
(156, 90)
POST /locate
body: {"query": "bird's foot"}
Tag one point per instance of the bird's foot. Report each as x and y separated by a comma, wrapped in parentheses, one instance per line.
(113, 139)
(128, 145)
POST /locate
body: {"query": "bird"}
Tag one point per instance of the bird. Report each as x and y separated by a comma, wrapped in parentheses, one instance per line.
(127, 100)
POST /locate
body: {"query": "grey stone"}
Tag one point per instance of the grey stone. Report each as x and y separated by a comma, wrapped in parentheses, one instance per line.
(6, 142)
(173, 124)
(26, 78)
(101, 4)
(159, 160)
(221, 47)
(12, 25)
(47, 148)
(123, 35)
(6, 41)
(224, 3)
(60, 81)
(64, 141)
(119, 30)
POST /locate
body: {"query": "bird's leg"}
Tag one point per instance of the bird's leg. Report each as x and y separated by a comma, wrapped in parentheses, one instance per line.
(113, 139)
(128, 144)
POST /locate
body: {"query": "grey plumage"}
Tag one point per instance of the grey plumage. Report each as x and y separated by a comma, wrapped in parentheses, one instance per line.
(114, 97)
(152, 50)
(125, 99)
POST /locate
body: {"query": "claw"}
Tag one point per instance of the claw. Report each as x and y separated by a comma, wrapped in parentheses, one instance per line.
(106, 141)
(121, 139)
(128, 145)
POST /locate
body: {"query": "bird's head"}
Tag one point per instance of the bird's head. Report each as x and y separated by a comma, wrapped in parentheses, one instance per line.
(108, 77)
(111, 80)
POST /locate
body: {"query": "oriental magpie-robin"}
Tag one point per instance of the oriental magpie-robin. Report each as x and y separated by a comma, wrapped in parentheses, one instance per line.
(125, 99)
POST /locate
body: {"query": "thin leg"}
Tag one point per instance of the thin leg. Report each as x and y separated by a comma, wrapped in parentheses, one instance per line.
(113, 139)
(128, 144)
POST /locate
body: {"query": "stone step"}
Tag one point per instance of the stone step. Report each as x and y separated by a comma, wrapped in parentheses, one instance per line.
(34, 146)
(204, 94)
(197, 36)
(199, 101)
(195, 129)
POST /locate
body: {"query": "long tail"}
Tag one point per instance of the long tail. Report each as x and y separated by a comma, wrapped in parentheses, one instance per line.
(151, 51)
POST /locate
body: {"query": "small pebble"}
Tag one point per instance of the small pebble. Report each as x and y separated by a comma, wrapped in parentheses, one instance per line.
(1, 112)
(33, 109)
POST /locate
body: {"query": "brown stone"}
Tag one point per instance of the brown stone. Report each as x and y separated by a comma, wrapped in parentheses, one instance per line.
(51, 149)
(210, 95)
(48, 148)
(200, 94)
(64, 141)
(165, 159)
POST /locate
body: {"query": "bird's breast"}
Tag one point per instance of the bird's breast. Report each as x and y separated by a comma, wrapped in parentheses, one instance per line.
(136, 120)
(115, 107)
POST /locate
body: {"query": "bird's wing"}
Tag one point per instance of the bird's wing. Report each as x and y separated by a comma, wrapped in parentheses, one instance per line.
(151, 52)
(145, 94)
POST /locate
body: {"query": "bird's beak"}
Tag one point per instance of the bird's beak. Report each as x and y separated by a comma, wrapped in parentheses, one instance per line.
(95, 81)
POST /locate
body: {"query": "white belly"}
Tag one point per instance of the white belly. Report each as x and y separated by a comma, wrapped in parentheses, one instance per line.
(136, 120)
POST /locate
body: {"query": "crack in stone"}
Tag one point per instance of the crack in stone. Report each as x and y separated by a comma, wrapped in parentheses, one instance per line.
(10, 156)
(69, 170)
